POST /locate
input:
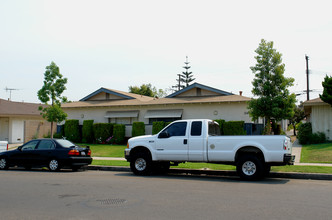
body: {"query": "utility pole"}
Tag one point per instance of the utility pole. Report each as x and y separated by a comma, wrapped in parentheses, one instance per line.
(307, 71)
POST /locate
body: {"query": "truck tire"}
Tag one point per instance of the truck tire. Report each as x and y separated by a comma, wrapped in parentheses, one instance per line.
(141, 164)
(249, 167)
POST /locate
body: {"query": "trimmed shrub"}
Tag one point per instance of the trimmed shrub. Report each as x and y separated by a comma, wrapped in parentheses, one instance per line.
(138, 129)
(157, 126)
(234, 128)
(102, 132)
(119, 132)
(72, 130)
(318, 138)
(304, 134)
(87, 131)
(221, 125)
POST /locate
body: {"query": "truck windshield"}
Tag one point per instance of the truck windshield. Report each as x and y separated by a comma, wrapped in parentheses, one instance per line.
(214, 129)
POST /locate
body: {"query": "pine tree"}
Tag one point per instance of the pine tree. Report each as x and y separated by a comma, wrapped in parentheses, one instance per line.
(185, 78)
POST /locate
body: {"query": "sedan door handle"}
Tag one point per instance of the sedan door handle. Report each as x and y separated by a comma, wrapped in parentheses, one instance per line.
(185, 141)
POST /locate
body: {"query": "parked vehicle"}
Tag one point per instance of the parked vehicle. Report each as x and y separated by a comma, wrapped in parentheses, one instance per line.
(200, 141)
(53, 153)
(3, 146)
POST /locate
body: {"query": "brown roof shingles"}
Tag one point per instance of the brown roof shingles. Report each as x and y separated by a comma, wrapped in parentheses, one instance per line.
(154, 101)
(18, 108)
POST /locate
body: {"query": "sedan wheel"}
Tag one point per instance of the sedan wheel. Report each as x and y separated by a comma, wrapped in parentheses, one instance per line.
(54, 165)
(3, 164)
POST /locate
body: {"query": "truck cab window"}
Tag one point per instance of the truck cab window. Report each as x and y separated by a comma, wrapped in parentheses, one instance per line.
(214, 129)
(196, 128)
(177, 129)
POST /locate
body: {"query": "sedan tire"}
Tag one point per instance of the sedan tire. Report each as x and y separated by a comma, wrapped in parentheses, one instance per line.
(54, 165)
(3, 163)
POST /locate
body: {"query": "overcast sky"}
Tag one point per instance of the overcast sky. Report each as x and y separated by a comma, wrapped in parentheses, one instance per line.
(117, 44)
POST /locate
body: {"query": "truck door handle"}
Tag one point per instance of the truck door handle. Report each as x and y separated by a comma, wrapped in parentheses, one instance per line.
(185, 141)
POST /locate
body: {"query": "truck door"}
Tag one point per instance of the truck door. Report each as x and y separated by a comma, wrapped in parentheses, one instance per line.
(196, 142)
(172, 143)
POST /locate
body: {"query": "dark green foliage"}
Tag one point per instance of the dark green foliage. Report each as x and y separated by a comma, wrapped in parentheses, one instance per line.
(102, 131)
(327, 92)
(317, 138)
(138, 129)
(306, 136)
(304, 133)
(72, 131)
(119, 132)
(157, 126)
(221, 125)
(87, 131)
(234, 128)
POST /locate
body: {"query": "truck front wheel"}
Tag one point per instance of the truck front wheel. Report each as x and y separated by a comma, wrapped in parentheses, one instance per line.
(249, 167)
(141, 164)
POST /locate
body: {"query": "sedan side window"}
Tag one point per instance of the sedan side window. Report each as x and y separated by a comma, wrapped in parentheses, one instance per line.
(30, 145)
(177, 129)
(46, 145)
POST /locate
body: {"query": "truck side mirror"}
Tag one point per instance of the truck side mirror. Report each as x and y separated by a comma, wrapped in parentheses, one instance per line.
(163, 134)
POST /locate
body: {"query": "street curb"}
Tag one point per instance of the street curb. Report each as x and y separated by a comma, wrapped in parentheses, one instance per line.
(313, 176)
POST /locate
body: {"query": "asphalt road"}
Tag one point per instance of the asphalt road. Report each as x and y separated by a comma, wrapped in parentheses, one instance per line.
(121, 195)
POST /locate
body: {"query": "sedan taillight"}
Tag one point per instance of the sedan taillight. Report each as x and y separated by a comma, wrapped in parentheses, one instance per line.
(74, 152)
(89, 152)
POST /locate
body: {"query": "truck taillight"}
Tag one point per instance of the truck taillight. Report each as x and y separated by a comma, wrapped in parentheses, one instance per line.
(74, 153)
(285, 144)
(128, 145)
(7, 146)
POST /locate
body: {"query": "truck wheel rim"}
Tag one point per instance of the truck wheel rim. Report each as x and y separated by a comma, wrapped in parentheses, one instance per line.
(2, 163)
(249, 168)
(140, 164)
(54, 164)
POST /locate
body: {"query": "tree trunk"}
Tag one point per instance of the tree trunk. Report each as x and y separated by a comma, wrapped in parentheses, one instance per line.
(52, 129)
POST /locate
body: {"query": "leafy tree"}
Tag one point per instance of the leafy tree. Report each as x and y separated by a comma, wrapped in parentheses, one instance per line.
(54, 86)
(274, 100)
(298, 116)
(147, 90)
(327, 92)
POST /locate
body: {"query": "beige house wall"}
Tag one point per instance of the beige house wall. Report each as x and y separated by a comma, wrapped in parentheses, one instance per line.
(236, 111)
(321, 120)
(37, 129)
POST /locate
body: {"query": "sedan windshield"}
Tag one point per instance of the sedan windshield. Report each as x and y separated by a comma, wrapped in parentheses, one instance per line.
(66, 143)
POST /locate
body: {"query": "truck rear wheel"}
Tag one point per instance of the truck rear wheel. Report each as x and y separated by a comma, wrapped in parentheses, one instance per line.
(141, 164)
(249, 167)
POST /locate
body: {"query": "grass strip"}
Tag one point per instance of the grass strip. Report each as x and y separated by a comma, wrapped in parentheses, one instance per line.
(317, 153)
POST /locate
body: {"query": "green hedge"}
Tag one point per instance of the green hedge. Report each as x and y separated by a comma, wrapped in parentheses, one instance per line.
(138, 129)
(157, 126)
(87, 131)
(233, 128)
(72, 130)
(119, 132)
(306, 136)
(102, 131)
(221, 125)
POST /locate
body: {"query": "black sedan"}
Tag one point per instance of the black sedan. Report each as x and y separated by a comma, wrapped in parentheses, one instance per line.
(53, 153)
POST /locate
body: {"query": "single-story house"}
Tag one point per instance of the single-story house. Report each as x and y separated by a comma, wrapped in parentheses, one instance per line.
(320, 115)
(195, 101)
(21, 122)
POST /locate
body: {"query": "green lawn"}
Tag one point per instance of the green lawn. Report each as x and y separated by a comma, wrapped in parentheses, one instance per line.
(105, 150)
(317, 153)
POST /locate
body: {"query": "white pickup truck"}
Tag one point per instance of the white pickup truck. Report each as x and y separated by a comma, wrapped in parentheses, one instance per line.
(200, 141)
(3, 146)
